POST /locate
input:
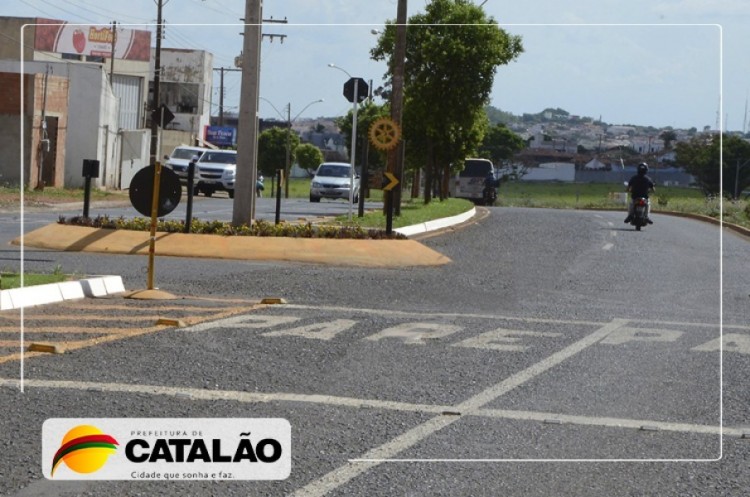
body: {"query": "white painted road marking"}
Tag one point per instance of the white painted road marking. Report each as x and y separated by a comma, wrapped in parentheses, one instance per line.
(421, 332)
(319, 331)
(502, 339)
(626, 334)
(201, 394)
(608, 246)
(388, 451)
(416, 333)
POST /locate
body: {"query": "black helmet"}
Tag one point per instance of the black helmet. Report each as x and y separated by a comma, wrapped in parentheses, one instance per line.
(642, 168)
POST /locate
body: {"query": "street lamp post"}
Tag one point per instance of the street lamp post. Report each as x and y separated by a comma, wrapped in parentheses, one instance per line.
(355, 106)
(289, 120)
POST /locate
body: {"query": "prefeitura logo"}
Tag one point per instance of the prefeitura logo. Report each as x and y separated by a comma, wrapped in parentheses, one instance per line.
(166, 449)
(84, 449)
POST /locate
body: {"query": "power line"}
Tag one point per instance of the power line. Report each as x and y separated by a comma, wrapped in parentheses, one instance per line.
(68, 12)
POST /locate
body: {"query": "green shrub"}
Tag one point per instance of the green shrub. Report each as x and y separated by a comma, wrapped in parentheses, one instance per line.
(258, 228)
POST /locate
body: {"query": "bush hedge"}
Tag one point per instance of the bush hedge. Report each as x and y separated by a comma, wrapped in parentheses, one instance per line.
(258, 228)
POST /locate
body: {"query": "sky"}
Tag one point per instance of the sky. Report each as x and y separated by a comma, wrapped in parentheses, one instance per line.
(679, 63)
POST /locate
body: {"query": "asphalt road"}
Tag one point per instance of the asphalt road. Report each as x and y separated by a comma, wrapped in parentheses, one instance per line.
(560, 354)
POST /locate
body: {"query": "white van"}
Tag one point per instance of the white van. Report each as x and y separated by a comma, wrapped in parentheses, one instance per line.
(469, 182)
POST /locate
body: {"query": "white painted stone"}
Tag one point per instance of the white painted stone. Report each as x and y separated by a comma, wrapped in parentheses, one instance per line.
(71, 290)
(113, 284)
(94, 287)
(5, 302)
(35, 295)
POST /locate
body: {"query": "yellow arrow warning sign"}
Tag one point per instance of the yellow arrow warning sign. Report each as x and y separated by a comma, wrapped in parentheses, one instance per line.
(392, 181)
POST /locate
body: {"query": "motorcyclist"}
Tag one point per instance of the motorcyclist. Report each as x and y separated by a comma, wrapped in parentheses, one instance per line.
(640, 186)
(259, 187)
(491, 183)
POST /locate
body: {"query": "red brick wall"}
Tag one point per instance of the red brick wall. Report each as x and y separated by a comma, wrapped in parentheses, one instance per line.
(56, 106)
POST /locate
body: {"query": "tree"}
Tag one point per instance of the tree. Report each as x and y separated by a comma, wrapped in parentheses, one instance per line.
(367, 113)
(453, 50)
(668, 136)
(272, 145)
(309, 157)
(701, 158)
(500, 144)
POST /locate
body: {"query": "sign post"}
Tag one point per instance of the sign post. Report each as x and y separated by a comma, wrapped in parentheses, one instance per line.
(355, 90)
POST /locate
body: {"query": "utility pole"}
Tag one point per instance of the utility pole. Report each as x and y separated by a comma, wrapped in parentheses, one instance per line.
(395, 157)
(112, 55)
(243, 211)
(221, 91)
(157, 81)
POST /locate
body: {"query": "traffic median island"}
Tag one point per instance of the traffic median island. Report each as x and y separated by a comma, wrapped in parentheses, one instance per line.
(382, 253)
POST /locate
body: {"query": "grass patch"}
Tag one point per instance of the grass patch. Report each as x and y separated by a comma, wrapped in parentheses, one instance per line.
(413, 211)
(10, 280)
(601, 196)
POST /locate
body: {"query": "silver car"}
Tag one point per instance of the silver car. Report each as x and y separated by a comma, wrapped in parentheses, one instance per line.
(333, 180)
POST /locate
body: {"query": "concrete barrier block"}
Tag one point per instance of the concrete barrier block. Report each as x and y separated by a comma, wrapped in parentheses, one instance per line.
(94, 287)
(6, 303)
(71, 290)
(35, 295)
(113, 284)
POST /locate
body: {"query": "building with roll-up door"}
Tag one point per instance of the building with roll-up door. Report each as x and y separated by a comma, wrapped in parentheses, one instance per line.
(75, 92)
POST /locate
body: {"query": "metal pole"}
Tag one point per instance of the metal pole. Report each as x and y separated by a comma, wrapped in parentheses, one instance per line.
(287, 162)
(154, 215)
(354, 147)
(279, 176)
(157, 82)
(221, 96)
(86, 196)
(190, 182)
(364, 179)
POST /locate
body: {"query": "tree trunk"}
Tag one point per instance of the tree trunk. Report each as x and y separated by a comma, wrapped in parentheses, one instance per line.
(429, 174)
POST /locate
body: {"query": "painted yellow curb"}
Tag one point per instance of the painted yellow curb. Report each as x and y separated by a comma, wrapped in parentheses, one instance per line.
(334, 252)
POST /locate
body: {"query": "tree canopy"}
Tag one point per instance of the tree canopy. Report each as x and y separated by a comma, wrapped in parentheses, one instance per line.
(501, 144)
(272, 146)
(452, 50)
(309, 157)
(701, 157)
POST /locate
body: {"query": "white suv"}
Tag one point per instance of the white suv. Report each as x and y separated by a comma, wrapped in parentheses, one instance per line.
(333, 180)
(180, 158)
(216, 170)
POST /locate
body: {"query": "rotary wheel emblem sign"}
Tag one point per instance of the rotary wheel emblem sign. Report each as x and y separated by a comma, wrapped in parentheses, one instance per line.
(384, 133)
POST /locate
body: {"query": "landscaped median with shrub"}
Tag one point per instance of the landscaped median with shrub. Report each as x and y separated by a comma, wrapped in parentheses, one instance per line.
(259, 228)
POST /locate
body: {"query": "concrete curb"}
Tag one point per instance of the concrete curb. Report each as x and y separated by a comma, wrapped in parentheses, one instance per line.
(436, 224)
(29, 296)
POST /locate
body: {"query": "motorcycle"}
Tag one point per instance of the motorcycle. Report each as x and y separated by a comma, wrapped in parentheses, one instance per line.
(489, 195)
(640, 210)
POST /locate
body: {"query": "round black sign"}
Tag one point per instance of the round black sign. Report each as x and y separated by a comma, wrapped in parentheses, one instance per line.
(142, 190)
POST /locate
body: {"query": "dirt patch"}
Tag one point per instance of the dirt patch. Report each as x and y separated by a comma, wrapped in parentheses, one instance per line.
(10, 199)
